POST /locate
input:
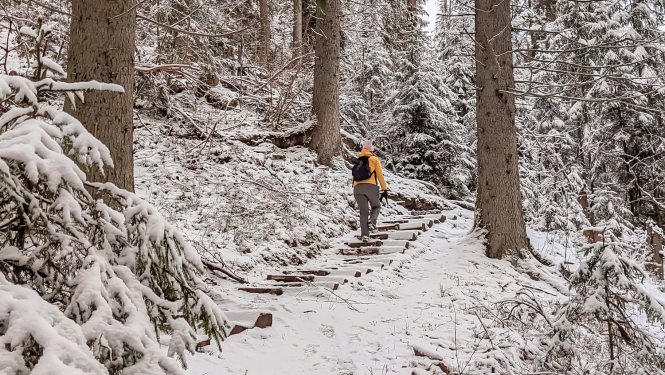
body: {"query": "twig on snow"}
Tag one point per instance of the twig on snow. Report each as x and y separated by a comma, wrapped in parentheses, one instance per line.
(223, 269)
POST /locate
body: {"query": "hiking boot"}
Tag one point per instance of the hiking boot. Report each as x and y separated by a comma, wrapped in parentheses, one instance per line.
(364, 239)
(372, 228)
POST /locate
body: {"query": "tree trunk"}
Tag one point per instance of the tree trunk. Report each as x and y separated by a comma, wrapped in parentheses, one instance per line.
(499, 202)
(411, 5)
(102, 49)
(655, 241)
(297, 28)
(326, 139)
(264, 10)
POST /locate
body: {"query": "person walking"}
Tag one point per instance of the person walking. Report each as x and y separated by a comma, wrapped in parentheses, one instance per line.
(366, 172)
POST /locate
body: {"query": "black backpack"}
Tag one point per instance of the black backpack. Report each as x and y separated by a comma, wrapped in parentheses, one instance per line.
(361, 170)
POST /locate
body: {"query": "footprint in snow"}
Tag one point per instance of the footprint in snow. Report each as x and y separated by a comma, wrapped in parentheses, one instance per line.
(390, 295)
(310, 350)
(327, 330)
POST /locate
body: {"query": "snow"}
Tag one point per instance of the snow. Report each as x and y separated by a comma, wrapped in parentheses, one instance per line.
(430, 300)
(24, 315)
(26, 30)
(52, 65)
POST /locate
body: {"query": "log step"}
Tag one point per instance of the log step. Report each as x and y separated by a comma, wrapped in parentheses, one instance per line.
(404, 235)
(385, 228)
(351, 272)
(364, 244)
(290, 278)
(411, 226)
(307, 272)
(360, 251)
(394, 221)
(403, 243)
(362, 268)
(428, 222)
(331, 285)
(375, 236)
(373, 250)
(414, 217)
(425, 212)
(244, 320)
(276, 291)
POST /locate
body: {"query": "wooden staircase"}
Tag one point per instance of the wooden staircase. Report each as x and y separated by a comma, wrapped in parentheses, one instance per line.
(351, 261)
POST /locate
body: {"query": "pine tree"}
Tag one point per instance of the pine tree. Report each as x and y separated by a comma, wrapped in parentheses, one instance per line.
(607, 302)
(498, 202)
(86, 287)
(101, 48)
(591, 130)
(326, 139)
(424, 133)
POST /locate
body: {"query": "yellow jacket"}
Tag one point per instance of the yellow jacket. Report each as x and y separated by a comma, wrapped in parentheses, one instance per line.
(374, 166)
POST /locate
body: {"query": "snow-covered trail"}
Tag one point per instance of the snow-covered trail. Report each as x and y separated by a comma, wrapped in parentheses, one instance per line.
(382, 317)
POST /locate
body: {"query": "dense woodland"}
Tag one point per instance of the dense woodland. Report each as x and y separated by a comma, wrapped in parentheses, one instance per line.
(539, 114)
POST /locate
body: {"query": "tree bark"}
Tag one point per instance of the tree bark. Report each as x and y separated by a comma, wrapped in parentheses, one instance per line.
(655, 241)
(297, 28)
(102, 49)
(411, 5)
(326, 139)
(264, 10)
(499, 201)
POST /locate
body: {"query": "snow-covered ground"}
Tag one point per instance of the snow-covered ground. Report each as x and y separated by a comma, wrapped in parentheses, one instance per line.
(431, 301)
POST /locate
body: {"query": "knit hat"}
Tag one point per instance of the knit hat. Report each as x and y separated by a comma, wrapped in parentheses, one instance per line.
(367, 144)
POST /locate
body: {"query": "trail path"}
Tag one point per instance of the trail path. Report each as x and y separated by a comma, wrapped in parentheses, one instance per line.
(420, 303)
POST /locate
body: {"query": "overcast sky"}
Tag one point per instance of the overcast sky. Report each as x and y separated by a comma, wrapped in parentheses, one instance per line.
(430, 8)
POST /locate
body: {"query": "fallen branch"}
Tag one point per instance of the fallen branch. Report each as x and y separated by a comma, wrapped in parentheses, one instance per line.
(203, 133)
(165, 67)
(219, 268)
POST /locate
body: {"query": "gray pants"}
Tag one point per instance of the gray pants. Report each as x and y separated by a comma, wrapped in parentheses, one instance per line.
(367, 193)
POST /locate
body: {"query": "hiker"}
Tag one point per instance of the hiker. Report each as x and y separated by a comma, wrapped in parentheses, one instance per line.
(366, 172)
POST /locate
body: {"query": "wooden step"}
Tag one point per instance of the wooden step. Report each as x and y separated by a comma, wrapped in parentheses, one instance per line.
(425, 212)
(363, 267)
(428, 222)
(290, 278)
(375, 236)
(437, 217)
(404, 235)
(277, 291)
(385, 228)
(402, 243)
(351, 272)
(374, 243)
(373, 250)
(329, 285)
(244, 320)
(414, 217)
(411, 226)
(307, 272)
(394, 221)
(373, 263)
(391, 249)
(359, 251)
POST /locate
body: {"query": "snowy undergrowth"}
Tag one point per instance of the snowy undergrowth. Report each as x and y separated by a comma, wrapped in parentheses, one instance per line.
(249, 203)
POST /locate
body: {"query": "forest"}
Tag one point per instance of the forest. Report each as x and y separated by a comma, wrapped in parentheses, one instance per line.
(179, 191)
